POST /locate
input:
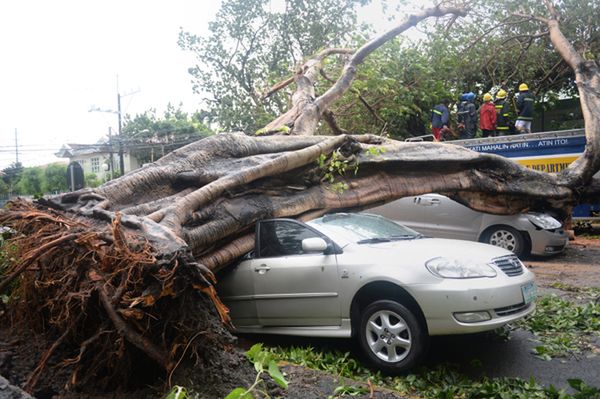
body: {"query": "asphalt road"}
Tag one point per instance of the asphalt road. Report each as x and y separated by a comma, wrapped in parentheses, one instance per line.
(482, 356)
(477, 355)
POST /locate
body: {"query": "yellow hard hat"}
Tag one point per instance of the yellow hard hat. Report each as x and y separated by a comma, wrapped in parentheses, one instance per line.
(523, 87)
(487, 97)
(501, 94)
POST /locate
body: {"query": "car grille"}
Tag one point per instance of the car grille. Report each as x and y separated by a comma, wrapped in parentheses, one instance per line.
(512, 309)
(510, 265)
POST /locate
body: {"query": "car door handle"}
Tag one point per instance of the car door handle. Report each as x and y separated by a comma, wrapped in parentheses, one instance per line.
(262, 269)
(430, 202)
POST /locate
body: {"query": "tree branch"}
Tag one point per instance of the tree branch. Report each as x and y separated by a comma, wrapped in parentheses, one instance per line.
(308, 119)
(360, 98)
(276, 87)
(330, 119)
(347, 76)
(530, 37)
(587, 76)
(304, 68)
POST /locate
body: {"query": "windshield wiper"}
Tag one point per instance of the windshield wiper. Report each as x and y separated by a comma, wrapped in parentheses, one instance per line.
(373, 240)
(407, 237)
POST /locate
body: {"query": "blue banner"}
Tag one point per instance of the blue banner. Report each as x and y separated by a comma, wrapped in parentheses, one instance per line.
(530, 148)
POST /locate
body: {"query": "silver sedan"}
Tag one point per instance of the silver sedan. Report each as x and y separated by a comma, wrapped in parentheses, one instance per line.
(365, 277)
(439, 216)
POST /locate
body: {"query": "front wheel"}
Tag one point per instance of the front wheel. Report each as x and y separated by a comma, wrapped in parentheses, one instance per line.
(391, 337)
(506, 237)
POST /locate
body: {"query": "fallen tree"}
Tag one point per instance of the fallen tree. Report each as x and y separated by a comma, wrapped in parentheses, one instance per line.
(113, 276)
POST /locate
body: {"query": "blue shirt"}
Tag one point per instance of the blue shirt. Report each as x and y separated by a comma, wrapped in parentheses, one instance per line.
(439, 116)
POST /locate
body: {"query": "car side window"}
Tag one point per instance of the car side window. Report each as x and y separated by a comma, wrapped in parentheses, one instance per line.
(282, 238)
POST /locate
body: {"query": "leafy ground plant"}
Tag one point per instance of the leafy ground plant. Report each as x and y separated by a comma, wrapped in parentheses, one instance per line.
(584, 294)
(564, 327)
(264, 361)
(348, 390)
(177, 392)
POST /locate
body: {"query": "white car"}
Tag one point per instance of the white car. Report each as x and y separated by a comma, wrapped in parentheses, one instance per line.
(439, 216)
(364, 276)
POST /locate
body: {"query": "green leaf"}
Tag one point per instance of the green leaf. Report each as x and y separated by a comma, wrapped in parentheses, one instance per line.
(276, 375)
(177, 392)
(575, 383)
(253, 351)
(239, 393)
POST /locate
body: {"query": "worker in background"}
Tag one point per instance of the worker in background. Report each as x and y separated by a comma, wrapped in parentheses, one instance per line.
(467, 116)
(524, 107)
(502, 114)
(440, 117)
(487, 116)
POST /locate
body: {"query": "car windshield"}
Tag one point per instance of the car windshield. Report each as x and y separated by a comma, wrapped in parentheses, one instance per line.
(364, 228)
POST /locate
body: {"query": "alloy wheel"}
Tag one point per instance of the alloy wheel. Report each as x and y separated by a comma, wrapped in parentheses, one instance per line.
(388, 336)
(504, 239)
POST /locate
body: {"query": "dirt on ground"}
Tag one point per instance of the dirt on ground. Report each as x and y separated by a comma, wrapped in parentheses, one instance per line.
(577, 267)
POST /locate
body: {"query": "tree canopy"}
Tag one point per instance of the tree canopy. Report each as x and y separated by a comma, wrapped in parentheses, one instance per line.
(148, 136)
(250, 48)
(10, 178)
(37, 180)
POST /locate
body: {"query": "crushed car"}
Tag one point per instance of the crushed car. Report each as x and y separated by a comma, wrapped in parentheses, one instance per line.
(368, 278)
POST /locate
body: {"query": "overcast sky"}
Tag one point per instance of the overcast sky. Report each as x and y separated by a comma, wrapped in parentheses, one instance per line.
(62, 57)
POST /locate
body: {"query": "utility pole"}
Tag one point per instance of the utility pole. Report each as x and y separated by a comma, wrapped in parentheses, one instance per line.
(121, 160)
(16, 148)
(110, 144)
(120, 127)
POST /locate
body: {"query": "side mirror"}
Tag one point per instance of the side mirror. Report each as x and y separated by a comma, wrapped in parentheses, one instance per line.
(314, 245)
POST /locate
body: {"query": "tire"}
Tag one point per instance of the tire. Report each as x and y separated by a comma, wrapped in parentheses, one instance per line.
(508, 238)
(391, 337)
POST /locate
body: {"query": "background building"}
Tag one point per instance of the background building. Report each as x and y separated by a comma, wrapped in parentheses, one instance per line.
(99, 159)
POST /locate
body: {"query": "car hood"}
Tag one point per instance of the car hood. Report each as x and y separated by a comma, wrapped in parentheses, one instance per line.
(429, 248)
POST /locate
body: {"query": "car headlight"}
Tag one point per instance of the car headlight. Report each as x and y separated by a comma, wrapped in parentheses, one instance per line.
(459, 268)
(542, 221)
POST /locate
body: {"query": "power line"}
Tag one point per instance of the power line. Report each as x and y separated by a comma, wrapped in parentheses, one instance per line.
(128, 143)
(30, 153)
(37, 145)
(26, 147)
(32, 150)
(12, 147)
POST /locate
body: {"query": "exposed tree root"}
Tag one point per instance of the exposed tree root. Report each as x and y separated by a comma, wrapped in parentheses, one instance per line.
(31, 257)
(90, 272)
(35, 374)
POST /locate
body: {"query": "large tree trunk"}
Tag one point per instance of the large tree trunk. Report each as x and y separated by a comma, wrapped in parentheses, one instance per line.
(126, 271)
